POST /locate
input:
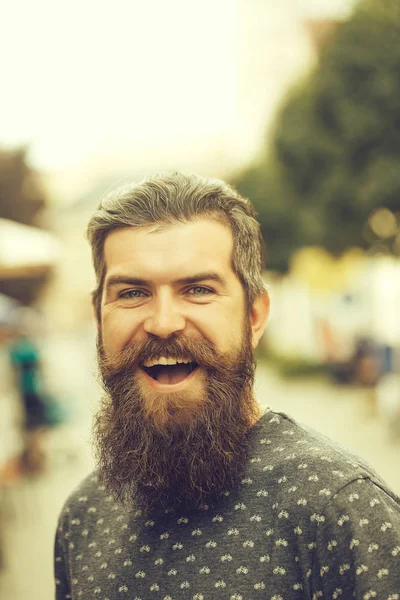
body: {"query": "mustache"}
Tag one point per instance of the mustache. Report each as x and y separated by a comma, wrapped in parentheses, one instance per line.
(195, 349)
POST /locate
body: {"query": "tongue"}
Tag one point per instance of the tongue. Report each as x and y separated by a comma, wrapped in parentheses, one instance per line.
(172, 374)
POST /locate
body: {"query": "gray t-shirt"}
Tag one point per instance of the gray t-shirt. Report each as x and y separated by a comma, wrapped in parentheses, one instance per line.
(309, 520)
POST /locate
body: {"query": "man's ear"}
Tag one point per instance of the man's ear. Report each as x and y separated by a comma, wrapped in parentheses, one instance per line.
(258, 317)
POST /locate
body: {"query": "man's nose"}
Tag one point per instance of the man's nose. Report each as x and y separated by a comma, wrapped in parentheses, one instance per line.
(164, 320)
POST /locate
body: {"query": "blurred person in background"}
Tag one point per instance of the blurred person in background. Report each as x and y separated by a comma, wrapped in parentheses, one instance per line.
(24, 355)
(40, 411)
(197, 492)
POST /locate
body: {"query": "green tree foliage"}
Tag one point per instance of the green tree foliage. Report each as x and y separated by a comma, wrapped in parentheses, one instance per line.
(335, 155)
(273, 200)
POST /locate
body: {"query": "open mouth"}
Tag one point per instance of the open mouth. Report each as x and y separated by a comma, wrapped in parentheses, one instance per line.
(170, 374)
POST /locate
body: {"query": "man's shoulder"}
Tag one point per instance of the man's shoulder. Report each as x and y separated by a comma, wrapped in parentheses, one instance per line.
(87, 497)
(299, 463)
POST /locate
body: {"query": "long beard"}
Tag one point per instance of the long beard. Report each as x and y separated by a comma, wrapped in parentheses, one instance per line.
(147, 453)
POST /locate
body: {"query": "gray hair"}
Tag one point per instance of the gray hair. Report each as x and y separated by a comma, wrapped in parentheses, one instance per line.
(170, 199)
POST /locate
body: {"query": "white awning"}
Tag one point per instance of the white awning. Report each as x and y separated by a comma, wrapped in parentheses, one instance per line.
(26, 251)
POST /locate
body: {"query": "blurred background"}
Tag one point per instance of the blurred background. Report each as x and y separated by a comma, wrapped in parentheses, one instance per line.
(295, 102)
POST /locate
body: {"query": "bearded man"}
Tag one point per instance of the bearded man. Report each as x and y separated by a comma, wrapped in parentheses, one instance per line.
(197, 494)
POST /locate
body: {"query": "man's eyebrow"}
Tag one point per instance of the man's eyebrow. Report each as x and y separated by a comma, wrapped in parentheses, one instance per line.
(203, 277)
(125, 280)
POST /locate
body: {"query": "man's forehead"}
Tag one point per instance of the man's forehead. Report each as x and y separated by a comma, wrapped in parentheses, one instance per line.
(203, 239)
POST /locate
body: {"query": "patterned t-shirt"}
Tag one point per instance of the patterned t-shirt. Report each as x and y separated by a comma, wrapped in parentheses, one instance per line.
(309, 520)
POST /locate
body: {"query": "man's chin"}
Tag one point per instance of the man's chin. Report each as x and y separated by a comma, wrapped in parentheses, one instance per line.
(173, 407)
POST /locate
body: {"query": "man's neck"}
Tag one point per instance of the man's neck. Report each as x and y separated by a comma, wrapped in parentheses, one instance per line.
(256, 415)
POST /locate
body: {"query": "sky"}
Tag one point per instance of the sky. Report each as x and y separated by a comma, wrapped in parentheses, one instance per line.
(85, 74)
(79, 74)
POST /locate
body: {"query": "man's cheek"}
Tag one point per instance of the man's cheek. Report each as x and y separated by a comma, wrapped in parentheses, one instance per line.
(115, 337)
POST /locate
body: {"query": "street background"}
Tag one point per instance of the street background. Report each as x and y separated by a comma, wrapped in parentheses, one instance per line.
(296, 104)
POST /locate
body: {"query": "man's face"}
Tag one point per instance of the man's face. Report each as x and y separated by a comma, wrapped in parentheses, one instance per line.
(178, 281)
(176, 358)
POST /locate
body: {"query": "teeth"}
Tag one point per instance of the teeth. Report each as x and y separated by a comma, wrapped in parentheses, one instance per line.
(164, 360)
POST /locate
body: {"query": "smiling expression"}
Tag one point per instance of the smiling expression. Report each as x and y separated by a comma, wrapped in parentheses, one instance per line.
(177, 280)
(174, 282)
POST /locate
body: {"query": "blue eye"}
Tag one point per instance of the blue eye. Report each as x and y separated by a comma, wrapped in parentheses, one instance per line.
(199, 290)
(131, 294)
